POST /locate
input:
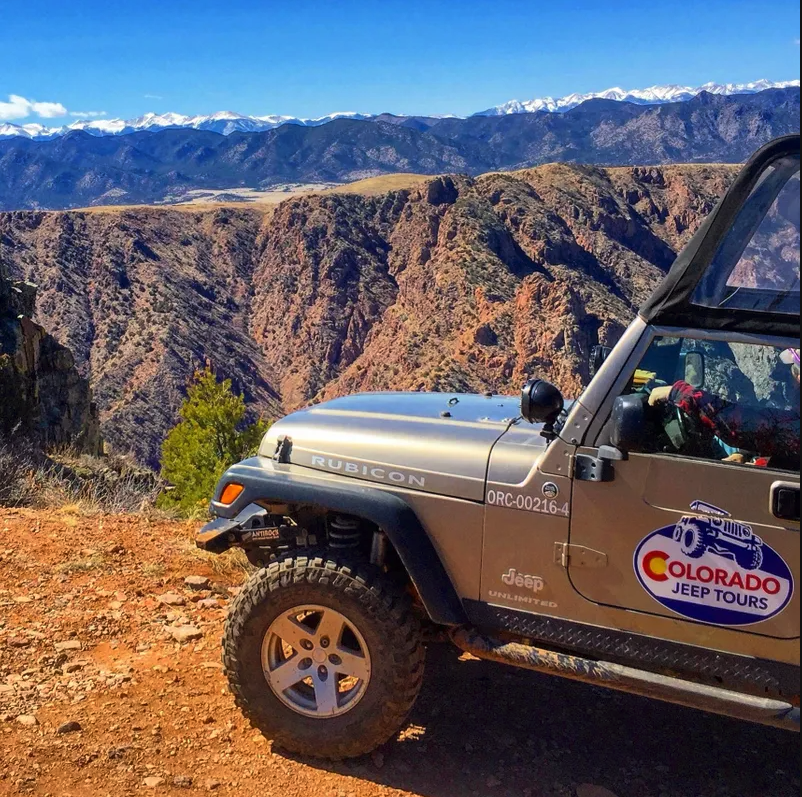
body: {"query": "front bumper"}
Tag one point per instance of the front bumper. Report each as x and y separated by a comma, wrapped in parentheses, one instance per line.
(217, 536)
(264, 481)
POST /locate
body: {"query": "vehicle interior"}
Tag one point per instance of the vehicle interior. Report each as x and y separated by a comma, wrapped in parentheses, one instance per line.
(749, 383)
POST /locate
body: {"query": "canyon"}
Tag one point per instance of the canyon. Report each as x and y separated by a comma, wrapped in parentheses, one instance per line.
(457, 284)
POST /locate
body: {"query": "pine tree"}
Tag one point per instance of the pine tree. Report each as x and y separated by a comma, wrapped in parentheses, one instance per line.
(212, 435)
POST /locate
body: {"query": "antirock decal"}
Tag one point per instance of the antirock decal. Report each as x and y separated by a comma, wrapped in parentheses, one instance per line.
(714, 570)
(369, 471)
(262, 534)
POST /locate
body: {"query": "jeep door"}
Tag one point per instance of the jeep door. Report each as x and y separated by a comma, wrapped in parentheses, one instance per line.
(699, 521)
(692, 525)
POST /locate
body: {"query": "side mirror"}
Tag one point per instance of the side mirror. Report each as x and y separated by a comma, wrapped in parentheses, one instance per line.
(598, 354)
(629, 422)
(695, 368)
(541, 402)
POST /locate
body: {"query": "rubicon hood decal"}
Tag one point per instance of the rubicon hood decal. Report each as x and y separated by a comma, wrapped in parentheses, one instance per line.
(714, 570)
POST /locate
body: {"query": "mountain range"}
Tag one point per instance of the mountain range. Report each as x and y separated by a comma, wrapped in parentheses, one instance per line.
(655, 95)
(80, 170)
(228, 122)
(456, 284)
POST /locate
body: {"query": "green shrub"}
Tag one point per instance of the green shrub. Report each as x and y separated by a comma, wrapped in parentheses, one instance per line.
(213, 434)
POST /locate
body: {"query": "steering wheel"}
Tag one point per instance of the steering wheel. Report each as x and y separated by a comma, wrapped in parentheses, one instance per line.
(685, 433)
(677, 426)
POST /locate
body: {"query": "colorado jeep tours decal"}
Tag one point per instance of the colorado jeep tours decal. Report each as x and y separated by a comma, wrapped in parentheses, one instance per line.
(714, 570)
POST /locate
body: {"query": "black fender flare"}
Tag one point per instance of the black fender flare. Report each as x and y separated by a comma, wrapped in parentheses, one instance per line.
(264, 484)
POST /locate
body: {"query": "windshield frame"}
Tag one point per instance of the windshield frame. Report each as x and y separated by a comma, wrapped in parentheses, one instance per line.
(714, 289)
(672, 304)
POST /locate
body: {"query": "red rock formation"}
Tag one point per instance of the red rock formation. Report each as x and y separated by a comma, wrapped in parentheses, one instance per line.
(460, 284)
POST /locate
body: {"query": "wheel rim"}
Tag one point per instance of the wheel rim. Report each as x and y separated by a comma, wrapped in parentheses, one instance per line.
(316, 661)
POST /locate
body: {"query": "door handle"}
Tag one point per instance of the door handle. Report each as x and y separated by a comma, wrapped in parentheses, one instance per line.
(785, 501)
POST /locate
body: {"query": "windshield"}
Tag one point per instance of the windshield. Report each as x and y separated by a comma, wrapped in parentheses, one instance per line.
(757, 265)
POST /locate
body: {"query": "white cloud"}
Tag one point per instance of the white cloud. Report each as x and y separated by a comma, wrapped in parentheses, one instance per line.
(153, 97)
(20, 108)
(88, 114)
(48, 110)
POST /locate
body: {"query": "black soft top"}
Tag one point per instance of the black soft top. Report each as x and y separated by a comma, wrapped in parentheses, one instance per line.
(703, 291)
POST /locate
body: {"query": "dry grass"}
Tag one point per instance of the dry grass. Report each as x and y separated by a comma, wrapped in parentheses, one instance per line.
(231, 564)
(84, 564)
(74, 486)
(17, 466)
(77, 484)
(154, 569)
(375, 186)
(266, 201)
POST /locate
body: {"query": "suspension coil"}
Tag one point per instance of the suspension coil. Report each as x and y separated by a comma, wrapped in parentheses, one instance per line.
(344, 532)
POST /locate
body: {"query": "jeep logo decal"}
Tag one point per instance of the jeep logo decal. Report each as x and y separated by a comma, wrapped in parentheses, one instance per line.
(714, 570)
(515, 579)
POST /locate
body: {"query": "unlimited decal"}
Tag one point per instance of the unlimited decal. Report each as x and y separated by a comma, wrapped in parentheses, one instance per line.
(714, 570)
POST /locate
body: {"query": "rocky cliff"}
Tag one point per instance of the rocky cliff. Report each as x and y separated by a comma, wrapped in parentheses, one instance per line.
(42, 395)
(461, 284)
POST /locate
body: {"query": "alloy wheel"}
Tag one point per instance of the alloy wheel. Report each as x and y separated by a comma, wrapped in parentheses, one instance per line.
(316, 661)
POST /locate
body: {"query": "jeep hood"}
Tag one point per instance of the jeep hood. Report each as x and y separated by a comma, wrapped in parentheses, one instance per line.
(430, 442)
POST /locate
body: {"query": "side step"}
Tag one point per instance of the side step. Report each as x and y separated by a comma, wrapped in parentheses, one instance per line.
(774, 713)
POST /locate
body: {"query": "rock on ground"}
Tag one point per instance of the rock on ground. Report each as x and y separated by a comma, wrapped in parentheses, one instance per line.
(186, 633)
(151, 708)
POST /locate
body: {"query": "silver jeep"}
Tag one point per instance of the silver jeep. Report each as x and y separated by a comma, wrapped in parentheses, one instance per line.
(541, 534)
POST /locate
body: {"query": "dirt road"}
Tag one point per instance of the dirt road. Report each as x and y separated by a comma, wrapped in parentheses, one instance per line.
(97, 698)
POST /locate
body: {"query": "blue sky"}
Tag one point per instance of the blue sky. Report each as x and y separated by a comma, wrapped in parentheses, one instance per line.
(312, 57)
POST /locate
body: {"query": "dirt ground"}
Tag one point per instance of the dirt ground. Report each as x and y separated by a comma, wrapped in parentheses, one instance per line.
(85, 639)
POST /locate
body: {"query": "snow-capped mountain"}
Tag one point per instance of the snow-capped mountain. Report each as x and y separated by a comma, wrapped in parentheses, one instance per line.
(228, 122)
(38, 132)
(225, 122)
(655, 95)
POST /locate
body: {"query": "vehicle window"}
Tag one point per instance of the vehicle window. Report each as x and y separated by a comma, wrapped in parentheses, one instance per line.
(738, 403)
(758, 265)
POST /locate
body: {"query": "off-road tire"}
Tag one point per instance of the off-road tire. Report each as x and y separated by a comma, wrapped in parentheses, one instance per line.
(378, 609)
(696, 546)
(751, 559)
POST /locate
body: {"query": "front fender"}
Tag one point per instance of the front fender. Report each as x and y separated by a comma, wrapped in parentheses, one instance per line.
(266, 482)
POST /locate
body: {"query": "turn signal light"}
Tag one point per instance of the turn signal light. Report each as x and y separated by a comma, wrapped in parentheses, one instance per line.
(231, 493)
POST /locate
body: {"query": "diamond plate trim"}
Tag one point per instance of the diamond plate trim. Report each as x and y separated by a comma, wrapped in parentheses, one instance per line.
(742, 674)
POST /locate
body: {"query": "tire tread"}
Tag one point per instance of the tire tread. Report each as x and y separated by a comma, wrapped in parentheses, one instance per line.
(388, 606)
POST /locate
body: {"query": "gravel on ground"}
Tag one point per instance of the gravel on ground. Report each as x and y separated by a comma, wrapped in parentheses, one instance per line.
(111, 685)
